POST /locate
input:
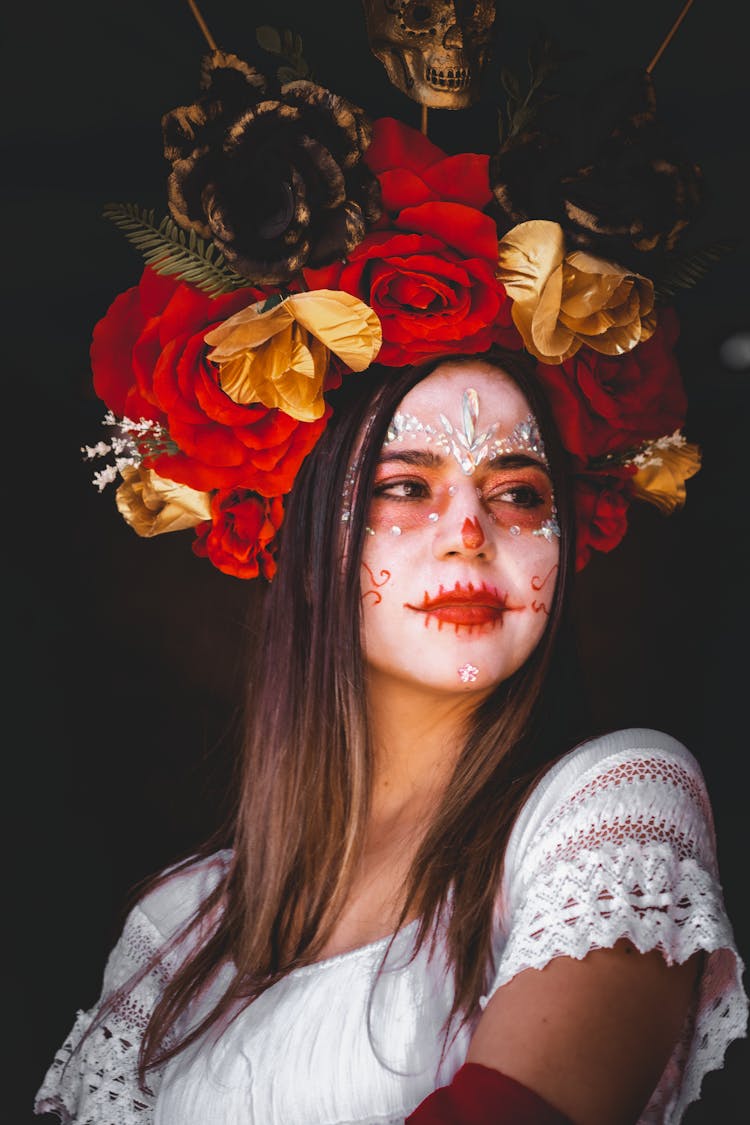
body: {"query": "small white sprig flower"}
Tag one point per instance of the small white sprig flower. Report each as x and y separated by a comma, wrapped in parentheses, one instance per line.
(101, 449)
(131, 441)
(105, 476)
(127, 463)
(649, 453)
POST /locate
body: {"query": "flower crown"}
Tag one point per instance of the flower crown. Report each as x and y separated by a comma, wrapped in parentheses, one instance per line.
(305, 242)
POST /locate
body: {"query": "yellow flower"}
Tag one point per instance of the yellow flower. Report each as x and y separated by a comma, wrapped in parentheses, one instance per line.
(153, 505)
(661, 480)
(561, 301)
(280, 357)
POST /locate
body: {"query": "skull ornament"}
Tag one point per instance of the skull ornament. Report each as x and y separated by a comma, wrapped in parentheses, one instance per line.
(432, 50)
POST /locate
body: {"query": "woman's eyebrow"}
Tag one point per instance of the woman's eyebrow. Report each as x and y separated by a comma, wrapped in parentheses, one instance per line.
(430, 459)
(516, 461)
(422, 458)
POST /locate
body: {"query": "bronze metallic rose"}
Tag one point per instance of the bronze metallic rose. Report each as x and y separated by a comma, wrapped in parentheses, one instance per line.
(273, 175)
(605, 169)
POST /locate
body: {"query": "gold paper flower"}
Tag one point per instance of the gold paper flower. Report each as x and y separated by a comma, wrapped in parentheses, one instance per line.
(153, 505)
(561, 301)
(661, 480)
(280, 357)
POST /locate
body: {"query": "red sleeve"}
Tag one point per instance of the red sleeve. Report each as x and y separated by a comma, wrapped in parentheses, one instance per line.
(479, 1095)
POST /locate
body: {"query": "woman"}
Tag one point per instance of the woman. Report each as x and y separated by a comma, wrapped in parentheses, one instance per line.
(415, 837)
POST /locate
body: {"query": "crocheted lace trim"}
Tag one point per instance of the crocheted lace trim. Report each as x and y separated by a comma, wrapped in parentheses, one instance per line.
(630, 854)
(95, 1081)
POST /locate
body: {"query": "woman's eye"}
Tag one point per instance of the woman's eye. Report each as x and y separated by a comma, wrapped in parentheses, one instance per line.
(521, 495)
(402, 490)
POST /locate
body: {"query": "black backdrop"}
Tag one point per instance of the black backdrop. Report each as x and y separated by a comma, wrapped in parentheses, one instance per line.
(125, 657)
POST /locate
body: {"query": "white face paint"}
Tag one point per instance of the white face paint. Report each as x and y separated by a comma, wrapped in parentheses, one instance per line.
(460, 566)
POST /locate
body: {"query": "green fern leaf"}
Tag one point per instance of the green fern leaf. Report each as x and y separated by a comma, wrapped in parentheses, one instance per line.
(269, 39)
(686, 270)
(166, 248)
(287, 45)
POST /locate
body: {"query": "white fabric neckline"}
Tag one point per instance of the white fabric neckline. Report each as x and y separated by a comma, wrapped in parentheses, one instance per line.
(351, 954)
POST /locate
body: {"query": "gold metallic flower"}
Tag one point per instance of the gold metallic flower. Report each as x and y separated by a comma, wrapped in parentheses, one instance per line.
(153, 505)
(661, 480)
(280, 357)
(562, 301)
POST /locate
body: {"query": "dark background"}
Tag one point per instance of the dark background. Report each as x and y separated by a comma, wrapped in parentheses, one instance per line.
(126, 656)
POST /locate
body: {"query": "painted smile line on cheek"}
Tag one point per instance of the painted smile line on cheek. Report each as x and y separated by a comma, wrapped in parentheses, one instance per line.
(466, 607)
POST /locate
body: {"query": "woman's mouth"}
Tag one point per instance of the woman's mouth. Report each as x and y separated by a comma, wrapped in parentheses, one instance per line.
(467, 606)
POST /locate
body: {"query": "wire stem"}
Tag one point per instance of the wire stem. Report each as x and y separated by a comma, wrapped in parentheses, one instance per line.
(202, 24)
(669, 35)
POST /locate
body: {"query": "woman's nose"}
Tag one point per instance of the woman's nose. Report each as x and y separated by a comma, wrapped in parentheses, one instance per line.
(464, 530)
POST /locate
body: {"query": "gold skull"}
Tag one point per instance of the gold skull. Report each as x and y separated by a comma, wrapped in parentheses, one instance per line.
(432, 50)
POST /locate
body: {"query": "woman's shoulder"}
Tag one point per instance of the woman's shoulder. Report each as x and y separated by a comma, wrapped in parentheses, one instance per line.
(158, 927)
(96, 1068)
(180, 890)
(616, 841)
(619, 758)
(637, 784)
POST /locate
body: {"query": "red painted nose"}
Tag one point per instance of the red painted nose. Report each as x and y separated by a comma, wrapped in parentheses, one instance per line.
(472, 534)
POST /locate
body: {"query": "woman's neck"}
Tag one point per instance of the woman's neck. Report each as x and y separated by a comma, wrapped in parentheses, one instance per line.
(417, 735)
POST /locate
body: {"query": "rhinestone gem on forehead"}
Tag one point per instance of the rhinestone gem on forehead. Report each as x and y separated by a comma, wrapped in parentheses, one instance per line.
(469, 447)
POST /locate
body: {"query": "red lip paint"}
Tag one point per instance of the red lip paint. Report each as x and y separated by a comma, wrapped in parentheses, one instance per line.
(465, 606)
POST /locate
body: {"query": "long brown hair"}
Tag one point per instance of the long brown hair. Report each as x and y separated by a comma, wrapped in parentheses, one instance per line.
(305, 788)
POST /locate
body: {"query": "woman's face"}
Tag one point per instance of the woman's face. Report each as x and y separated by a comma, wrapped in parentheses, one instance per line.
(461, 553)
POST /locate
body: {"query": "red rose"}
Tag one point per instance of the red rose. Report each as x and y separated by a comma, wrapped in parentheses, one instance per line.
(114, 357)
(605, 403)
(430, 276)
(412, 170)
(148, 356)
(601, 508)
(240, 538)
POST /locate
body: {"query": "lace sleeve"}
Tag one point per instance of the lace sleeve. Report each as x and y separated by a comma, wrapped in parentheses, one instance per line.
(620, 843)
(93, 1078)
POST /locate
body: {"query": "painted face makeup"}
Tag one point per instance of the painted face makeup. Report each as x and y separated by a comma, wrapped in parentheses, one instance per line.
(469, 446)
(510, 489)
(527, 504)
(462, 518)
(472, 535)
(466, 607)
(468, 673)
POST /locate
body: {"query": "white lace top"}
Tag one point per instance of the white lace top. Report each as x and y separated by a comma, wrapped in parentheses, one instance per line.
(616, 841)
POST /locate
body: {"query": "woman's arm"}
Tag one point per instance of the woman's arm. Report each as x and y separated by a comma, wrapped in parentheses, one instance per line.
(615, 854)
(592, 1037)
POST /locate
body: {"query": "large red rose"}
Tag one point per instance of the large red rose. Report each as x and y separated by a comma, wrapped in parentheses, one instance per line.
(149, 359)
(430, 275)
(240, 538)
(601, 507)
(610, 403)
